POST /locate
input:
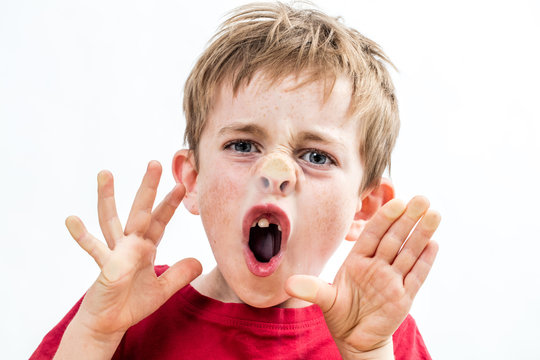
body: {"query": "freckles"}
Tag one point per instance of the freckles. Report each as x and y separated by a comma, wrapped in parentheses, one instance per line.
(218, 195)
(326, 232)
(218, 202)
(333, 222)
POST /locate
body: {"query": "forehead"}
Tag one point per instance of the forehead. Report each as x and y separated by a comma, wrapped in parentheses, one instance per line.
(298, 98)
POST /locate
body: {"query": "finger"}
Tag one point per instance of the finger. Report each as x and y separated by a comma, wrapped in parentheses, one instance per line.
(416, 243)
(95, 248)
(178, 276)
(164, 212)
(416, 277)
(371, 236)
(394, 238)
(108, 217)
(141, 210)
(312, 289)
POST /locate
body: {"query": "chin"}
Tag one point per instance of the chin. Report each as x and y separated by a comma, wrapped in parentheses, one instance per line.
(263, 298)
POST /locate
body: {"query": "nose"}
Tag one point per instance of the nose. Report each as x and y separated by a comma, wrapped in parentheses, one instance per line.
(276, 174)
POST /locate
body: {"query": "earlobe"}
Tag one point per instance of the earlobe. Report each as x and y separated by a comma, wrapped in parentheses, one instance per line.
(369, 203)
(185, 172)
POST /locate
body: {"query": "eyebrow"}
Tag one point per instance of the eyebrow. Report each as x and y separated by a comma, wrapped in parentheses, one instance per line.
(305, 136)
(313, 136)
(251, 129)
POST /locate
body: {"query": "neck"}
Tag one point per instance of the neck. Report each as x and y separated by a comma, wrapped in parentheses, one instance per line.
(214, 285)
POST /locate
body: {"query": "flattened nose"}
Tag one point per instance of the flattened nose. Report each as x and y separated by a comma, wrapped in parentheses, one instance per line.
(277, 174)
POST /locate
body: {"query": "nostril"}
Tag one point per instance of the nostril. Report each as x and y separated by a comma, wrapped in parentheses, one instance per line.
(283, 186)
(265, 182)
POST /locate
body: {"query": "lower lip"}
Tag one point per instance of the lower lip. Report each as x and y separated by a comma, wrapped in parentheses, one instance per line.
(261, 269)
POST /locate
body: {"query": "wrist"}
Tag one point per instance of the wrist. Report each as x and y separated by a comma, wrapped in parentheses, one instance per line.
(81, 342)
(383, 352)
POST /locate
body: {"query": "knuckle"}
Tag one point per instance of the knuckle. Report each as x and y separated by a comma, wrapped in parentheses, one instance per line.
(394, 239)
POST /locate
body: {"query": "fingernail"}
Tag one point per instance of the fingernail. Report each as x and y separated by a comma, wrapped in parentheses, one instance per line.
(153, 163)
(101, 178)
(432, 220)
(417, 206)
(74, 227)
(394, 209)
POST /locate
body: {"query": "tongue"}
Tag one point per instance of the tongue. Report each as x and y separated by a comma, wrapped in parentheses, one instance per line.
(264, 242)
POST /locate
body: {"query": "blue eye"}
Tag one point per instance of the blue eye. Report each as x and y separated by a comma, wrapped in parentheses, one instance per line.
(241, 146)
(317, 158)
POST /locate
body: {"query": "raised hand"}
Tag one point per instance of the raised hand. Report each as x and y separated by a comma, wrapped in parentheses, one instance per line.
(374, 289)
(127, 289)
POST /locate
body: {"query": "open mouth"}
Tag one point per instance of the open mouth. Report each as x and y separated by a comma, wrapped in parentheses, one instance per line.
(264, 239)
(266, 230)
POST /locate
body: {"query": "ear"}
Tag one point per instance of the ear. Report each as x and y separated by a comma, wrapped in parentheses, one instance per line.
(369, 203)
(185, 172)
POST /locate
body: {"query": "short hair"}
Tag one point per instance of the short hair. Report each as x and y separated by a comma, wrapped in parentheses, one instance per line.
(281, 40)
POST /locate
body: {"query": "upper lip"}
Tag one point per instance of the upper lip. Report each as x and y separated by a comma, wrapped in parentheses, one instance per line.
(273, 213)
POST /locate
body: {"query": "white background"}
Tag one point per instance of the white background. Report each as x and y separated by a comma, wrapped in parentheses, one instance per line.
(88, 85)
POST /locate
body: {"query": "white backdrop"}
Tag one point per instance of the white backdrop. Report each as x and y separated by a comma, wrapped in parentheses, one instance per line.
(88, 85)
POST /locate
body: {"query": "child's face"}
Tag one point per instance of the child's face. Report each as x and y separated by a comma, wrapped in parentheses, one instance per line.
(284, 155)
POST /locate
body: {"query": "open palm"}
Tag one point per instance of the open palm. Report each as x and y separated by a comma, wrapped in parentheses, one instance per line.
(127, 289)
(374, 289)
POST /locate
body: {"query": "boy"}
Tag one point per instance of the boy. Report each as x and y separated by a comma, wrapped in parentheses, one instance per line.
(291, 120)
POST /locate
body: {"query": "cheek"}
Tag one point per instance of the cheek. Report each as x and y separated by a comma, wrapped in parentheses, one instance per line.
(216, 195)
(336, 219)
(329, 220)
(335, 209)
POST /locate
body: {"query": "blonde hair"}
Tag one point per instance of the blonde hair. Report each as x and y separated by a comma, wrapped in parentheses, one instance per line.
(281, 40)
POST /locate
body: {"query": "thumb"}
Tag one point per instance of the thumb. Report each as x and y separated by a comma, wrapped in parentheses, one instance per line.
(312, 289)
(179, 275)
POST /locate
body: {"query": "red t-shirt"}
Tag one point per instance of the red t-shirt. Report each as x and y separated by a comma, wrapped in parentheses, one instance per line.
(192, 326)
